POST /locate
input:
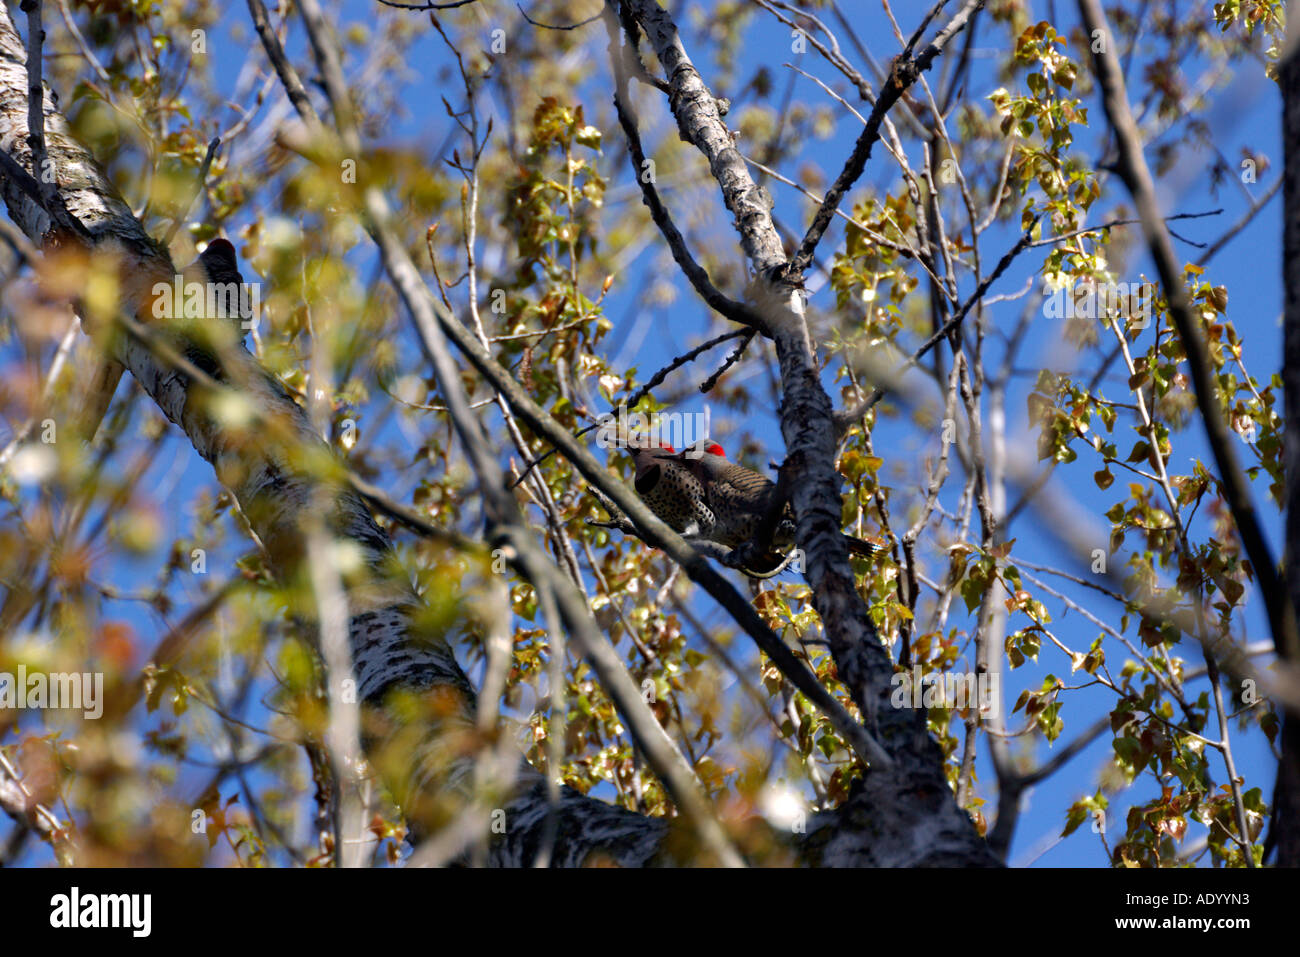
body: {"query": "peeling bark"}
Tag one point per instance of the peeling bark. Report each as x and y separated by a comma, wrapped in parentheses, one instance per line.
(700, 124)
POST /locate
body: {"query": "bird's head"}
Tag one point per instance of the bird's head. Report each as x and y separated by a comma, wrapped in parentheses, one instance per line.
(218, 265)
(703, 448)
(647, 454)
(214, 289)
(219, 261)
(703, 458)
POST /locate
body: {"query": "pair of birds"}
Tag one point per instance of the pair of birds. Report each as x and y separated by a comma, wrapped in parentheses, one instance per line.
(697, 492)
(700, 494)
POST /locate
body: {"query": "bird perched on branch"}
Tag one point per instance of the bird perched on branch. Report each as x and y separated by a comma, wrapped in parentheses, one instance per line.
(670, 490)
(215, 277)
(741, 498)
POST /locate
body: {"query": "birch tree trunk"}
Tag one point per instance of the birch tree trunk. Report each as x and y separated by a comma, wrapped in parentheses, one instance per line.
(905, 815)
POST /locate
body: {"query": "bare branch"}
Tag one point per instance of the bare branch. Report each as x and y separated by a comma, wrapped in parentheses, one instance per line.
(563, 26)
(700, 124)
(448, 5)
(699, 279)
(902, 75)
(289, 79)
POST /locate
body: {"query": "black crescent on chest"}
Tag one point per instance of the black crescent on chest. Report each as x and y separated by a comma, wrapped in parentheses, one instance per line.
(648, 479)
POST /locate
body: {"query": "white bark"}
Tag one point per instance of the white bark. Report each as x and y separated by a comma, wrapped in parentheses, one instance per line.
(277, 492)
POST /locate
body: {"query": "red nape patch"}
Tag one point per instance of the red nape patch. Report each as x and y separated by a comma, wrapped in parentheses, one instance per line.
(715, 449)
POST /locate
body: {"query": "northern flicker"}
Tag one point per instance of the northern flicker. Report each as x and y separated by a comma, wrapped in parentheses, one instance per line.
(671, 491)
(739, 498)
(217, 271)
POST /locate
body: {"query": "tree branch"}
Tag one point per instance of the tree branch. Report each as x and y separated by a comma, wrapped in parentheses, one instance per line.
(1132, 168)
(904, 72)
(808, 429)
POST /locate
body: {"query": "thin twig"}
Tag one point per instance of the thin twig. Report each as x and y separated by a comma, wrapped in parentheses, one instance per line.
(903, 74)
(200, 181)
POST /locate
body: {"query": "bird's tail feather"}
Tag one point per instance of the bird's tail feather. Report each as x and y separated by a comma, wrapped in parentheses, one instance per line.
(859, 546)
